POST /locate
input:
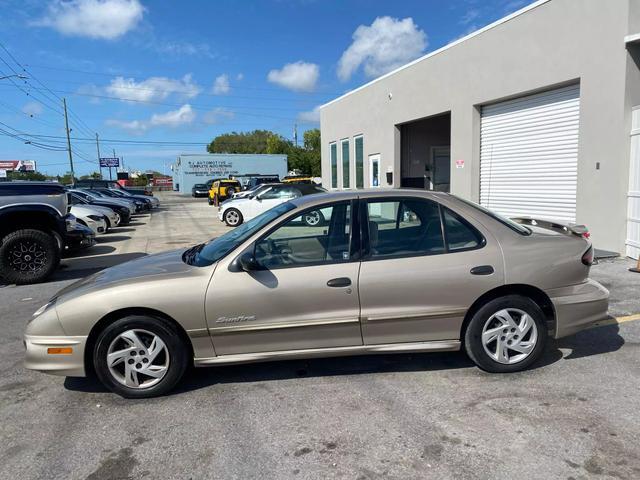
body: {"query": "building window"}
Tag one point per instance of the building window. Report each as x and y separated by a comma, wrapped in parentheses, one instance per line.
(359, 148)
(334, 164)
(345, 164)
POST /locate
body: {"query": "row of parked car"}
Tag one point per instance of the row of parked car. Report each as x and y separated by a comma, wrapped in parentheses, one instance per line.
(41, 222)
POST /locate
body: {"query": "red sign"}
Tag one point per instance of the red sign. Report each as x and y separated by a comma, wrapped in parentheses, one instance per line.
(20, 165)
(162, 182)
(459, 163)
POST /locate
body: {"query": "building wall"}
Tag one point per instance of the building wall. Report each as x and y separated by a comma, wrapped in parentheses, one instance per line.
(553, 43)
(191, 168)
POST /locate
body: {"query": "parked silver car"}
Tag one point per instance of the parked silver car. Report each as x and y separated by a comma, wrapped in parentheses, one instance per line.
(388, 271)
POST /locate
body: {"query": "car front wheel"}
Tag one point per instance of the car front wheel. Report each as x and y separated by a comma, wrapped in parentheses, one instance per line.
(507, 334)
(140, 357)
(28, 256)
(232, 217)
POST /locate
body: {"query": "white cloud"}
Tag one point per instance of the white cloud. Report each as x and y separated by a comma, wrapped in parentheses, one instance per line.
(311, 116)
(299, 76)
(221, 85)
(240, 77)
(32, 109)
(217, 115)
(180, 49)
(153, 88)
(135, 127)
(172, 119)
(102, 19)
(175, 118)
(386, 44)
(471, 15)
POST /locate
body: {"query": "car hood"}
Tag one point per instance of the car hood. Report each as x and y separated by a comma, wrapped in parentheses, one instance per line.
(236, 202)
(147, 268)
(85, 211)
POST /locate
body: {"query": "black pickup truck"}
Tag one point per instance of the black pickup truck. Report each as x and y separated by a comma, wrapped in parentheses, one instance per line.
(35, 229)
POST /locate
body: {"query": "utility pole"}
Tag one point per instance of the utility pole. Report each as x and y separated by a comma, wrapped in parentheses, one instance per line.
(114, 156)
(98, 148)
(295, 134)
(66, 123)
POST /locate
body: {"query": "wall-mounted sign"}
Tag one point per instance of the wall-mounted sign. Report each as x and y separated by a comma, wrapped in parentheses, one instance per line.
(459, 163)
(109, 162)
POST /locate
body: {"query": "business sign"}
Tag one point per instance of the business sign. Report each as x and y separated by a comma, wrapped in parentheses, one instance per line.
(162, 182)
(18, 165)
(460, 163)
(109, 162)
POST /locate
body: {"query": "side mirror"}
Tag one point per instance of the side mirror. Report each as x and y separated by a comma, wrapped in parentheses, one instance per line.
(248, 263)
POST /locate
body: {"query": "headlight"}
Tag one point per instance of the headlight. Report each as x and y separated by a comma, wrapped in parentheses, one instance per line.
(70, 222)
(95, 218)
(45, 307)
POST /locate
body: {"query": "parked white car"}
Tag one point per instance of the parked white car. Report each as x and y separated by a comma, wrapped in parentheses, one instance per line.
(237, 210)
(91, 218)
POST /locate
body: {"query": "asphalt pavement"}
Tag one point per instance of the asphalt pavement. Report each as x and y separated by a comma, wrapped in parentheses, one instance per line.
(574, 415)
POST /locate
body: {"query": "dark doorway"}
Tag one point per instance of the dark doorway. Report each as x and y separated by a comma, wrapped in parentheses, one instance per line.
(426, 153)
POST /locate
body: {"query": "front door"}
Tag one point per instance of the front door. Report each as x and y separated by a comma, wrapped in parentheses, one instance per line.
(305, 296)
(415, 283)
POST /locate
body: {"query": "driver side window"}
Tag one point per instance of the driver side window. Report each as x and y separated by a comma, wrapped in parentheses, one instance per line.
(317, 236)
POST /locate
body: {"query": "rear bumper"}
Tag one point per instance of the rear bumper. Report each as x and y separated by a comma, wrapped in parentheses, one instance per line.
(579, 306)
(38, 358)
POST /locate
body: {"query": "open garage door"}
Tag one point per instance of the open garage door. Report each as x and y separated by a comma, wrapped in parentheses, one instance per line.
(529, 154)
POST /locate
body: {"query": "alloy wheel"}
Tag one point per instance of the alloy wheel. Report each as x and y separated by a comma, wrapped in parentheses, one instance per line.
(312, 218)
(509, 336)
(232, 217)
(138, 359)
(27, 256)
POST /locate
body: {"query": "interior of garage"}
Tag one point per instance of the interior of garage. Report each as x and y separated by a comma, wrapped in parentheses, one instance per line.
(425, 147)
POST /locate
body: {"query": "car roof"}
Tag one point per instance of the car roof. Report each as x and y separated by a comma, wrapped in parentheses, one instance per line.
(366, 193)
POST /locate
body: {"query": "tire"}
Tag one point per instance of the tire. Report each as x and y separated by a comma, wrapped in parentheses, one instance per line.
(230, 192)
(313, 218)
(170, 362)
(491, 320)
(28, 256)
(233, 217)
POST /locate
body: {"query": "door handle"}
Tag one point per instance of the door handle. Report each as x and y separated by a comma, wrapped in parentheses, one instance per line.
(482, 270)
(339, 282)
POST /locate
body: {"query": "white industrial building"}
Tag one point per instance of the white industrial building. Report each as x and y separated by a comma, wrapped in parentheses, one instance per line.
(536, 114)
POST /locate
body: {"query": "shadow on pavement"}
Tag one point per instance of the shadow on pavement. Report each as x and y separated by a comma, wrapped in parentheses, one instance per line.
(76, 268)
(90, 252)
(112, 238)
(590, 342)
(121, 230)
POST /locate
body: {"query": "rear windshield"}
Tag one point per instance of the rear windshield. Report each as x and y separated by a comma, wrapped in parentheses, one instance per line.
(516, 227)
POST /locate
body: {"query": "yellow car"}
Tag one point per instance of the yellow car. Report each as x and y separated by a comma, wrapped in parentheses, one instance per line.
(223, 189)
(297, 179)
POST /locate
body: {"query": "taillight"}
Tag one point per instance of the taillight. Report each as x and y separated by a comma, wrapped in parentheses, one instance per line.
(587, 257)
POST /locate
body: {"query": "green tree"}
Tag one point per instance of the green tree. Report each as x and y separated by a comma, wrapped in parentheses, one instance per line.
(240, 142)
(33, 176)
(277, 144)
(65, 179)
(91, 176)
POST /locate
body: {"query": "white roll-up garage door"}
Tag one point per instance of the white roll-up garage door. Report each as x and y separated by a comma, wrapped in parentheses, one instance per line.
(529, 155)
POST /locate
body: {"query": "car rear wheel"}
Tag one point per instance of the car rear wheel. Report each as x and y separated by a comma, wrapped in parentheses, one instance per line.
(233, 217)
(140, 357)
(507, 334)
(28, 256)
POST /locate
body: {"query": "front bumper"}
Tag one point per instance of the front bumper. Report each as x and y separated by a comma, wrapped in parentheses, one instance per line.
(38, 358)
(220, 214)
(579, 306)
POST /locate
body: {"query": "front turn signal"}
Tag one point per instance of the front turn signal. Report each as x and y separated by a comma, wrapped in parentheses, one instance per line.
(59, 350)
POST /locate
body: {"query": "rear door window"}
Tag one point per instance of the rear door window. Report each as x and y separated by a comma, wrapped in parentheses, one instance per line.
(407, 227)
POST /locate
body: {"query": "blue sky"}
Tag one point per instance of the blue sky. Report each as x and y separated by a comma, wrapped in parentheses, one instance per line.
(137, 71)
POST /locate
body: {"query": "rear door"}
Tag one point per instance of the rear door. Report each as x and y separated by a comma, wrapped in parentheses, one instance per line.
(416, 280)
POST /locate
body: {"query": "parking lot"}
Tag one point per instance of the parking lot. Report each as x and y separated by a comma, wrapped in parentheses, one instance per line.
(574, 415)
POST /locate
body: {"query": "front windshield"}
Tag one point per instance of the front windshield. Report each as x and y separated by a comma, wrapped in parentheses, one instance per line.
(217, 248)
